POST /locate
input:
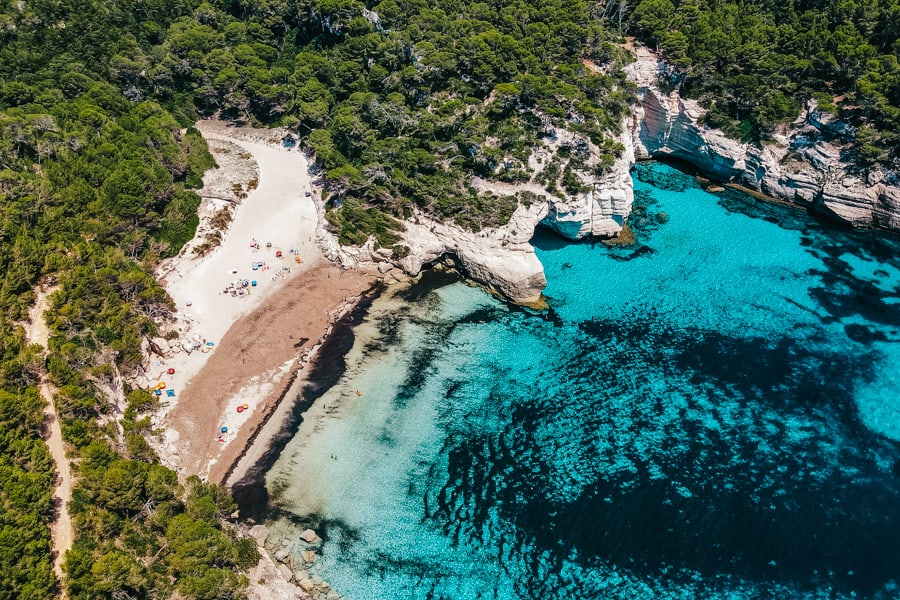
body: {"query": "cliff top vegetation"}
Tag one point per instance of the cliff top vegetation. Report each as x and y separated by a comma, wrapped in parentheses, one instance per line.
(402, 101)
(754, 64)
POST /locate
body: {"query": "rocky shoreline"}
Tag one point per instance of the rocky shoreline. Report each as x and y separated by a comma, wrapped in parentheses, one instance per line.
(293, 558)
(802, 164)
(801, 167)
(502, 258)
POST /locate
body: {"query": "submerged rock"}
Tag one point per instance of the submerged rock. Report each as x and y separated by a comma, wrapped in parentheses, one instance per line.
(282, 555)
(309, 536)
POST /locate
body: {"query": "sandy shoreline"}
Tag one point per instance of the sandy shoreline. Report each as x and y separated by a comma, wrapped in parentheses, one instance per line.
(249, 348)
(259, 357)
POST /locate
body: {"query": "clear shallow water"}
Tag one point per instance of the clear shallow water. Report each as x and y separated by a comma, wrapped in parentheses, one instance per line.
(714, 414)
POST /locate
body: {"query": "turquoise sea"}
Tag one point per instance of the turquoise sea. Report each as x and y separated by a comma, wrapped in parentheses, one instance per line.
(713, 413)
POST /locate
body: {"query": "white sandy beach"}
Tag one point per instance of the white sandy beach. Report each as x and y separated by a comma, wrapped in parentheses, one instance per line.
(277, 212)
(285, 313)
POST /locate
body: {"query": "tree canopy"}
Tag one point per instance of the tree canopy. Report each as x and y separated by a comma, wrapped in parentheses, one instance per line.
(755, 63)
(403, 102)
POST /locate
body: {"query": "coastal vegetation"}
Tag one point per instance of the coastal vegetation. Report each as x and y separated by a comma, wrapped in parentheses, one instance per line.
(754, 64)
(403, 103)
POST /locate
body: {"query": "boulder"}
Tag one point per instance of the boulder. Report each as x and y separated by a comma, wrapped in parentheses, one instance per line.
(309, 536)
(160, 346)
(259, 533)
(282, 555)
(285, 572)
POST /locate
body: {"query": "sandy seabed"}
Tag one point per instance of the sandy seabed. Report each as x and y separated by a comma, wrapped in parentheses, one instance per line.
(251, 347)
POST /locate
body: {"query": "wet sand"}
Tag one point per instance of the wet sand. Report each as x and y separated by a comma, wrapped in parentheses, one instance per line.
(254, 364)
(250, 347)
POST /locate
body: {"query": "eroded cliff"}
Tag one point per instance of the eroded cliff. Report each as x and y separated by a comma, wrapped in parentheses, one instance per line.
(804, 164)
(502, 258)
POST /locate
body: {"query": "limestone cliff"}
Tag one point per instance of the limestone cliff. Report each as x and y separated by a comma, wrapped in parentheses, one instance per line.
(604, 207)
(502, 258)
(799, 165)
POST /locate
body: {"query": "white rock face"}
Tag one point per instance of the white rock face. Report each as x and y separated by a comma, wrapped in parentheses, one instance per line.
(799, 166)
(603, 209)
(501, 259)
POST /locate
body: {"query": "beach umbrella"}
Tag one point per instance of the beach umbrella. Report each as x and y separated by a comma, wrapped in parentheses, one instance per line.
(240, 409)
(171, 371)
(161, 385)
(224, 430)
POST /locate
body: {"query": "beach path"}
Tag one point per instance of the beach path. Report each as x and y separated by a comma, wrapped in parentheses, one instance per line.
(62, 533)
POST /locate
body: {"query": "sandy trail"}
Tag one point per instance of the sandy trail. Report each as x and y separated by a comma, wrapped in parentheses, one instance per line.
(256, 341)
(61, 531)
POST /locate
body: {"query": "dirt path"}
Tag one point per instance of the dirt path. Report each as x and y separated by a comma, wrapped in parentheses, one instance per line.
(61, 531)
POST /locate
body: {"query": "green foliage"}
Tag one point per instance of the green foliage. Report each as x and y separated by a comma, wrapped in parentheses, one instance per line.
(98, 164)
(477, 211)
(757, 62)
(355, 222)
(95, 180)
(152, 537)
(26, 477)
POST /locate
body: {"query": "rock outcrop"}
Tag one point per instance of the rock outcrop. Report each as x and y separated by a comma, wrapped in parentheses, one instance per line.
(603, 209)
(501, 259)
(800, 165)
